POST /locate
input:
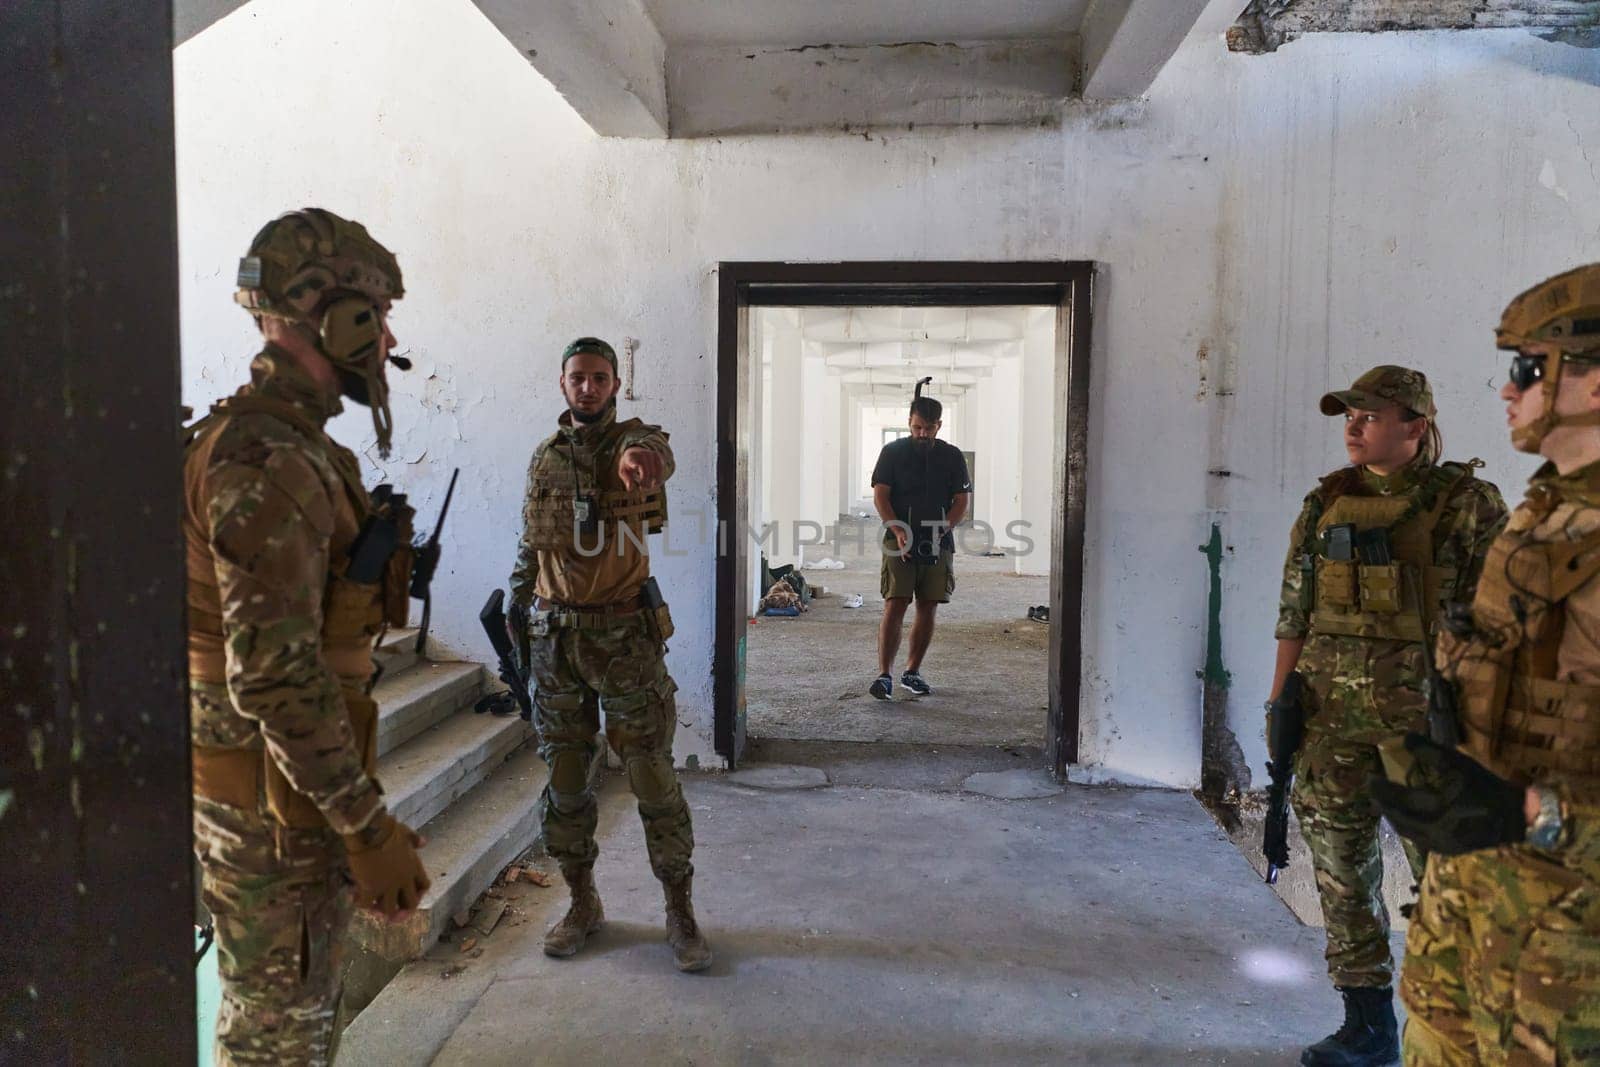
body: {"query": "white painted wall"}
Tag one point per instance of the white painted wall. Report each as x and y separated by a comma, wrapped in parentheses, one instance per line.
(1294, 217)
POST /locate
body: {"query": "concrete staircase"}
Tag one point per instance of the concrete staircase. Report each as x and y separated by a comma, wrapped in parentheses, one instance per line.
(470, 783)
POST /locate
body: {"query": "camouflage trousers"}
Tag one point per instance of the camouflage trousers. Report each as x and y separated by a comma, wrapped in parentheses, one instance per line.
(281, 904)
(619, 669)
(1361, 692)
(1503, 963)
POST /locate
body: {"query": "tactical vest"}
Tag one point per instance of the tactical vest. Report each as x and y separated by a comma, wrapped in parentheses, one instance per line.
(568, 470)
(353, 614)
(1394, 601)
(1516, 718)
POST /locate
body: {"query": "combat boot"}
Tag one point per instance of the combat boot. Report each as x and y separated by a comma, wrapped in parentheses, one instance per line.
(583, 917)
(1368, 1038)
(690, 950)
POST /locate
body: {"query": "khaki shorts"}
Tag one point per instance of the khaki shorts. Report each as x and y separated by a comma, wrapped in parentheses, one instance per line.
(900, 578)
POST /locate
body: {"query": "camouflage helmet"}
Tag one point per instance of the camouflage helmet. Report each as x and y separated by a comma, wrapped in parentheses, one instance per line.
(300, 259)
(327, 273)
(1559, 318)
(1560, 313)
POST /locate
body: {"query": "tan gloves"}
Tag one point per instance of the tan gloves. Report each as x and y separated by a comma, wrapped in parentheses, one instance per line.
(388, 873)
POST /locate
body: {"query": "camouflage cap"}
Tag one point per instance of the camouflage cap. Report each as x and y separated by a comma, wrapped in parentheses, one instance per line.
(1383, 387)
(592, 346)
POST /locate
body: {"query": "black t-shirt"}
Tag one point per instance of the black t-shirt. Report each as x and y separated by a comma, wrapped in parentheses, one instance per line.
(923, 482)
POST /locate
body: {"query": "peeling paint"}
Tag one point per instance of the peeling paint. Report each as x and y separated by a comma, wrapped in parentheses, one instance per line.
(1224, 771)
(1267, 25)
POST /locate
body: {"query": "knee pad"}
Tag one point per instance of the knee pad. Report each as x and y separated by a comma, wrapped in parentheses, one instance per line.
(569, 772)
(569, 803)
(651, 778)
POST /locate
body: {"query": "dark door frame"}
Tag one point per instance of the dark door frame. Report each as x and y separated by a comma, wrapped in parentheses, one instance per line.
(95, 827)
(1067, 285)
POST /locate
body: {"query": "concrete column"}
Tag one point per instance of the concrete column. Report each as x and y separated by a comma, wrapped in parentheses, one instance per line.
(1038, 420)
(854, 487)
(819, 457)
(979, 431)
(846, 489)
(786, 436)
(1005, 438)
(759, 493)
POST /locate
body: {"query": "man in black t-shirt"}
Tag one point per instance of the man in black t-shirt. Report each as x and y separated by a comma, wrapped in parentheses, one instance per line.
(921, 490)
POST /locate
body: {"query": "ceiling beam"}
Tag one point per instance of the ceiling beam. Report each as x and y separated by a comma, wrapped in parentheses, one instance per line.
(719, 89)
(606, 57)
(1127, 42)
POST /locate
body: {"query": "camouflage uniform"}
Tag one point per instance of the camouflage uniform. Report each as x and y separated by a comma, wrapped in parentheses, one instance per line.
(1503, 956)
(1365, 690)
(593, 646)
(280, 719)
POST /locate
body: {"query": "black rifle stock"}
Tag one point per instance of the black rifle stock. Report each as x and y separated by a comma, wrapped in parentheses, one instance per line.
(1285, 727)
(512, 671)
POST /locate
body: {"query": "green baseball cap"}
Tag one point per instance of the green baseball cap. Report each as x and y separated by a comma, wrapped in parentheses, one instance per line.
(591, 346)
(1383, 387)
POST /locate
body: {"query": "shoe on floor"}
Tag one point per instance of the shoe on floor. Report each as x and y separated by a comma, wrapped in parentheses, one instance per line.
(882, 686)
(913, 681)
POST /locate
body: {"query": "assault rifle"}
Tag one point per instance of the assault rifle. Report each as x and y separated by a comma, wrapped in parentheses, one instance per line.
(426, 562)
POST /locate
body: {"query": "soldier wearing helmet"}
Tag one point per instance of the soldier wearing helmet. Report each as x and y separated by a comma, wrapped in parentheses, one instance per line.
(596, 641)
(1379, 548)
(1503, 955)
(284, 604)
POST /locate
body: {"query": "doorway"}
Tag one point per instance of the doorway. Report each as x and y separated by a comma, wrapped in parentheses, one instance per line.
(843, 343)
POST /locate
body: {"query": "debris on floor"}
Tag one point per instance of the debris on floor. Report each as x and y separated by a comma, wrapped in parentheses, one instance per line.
(852, 601)
(1039, 613)
(824, 564)
(489, 916)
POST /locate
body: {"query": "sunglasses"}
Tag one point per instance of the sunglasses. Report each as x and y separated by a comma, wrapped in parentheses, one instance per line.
(1526, 370)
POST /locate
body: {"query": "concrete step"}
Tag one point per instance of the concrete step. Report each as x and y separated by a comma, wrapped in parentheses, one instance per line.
(397, 650)
(423, 694)
(467, 847)
(423, 776)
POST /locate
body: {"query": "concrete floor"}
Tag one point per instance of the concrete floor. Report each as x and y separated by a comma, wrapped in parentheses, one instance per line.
(806, 677)
(889, 917)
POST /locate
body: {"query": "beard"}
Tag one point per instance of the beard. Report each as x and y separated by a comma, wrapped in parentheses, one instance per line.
(353, 384)
(586, 418)
(922, 442)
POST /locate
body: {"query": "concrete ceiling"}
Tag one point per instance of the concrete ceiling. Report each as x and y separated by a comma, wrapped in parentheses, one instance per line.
(699, 68)
(882, 351)
(788, 23)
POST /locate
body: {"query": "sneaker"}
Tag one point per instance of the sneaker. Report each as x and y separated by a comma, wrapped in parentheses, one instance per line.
(913, 681)
(882, 686)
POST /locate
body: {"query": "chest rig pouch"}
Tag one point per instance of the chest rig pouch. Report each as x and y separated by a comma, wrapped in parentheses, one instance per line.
(1374, 571)
(576, 498)
(1515, 717)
